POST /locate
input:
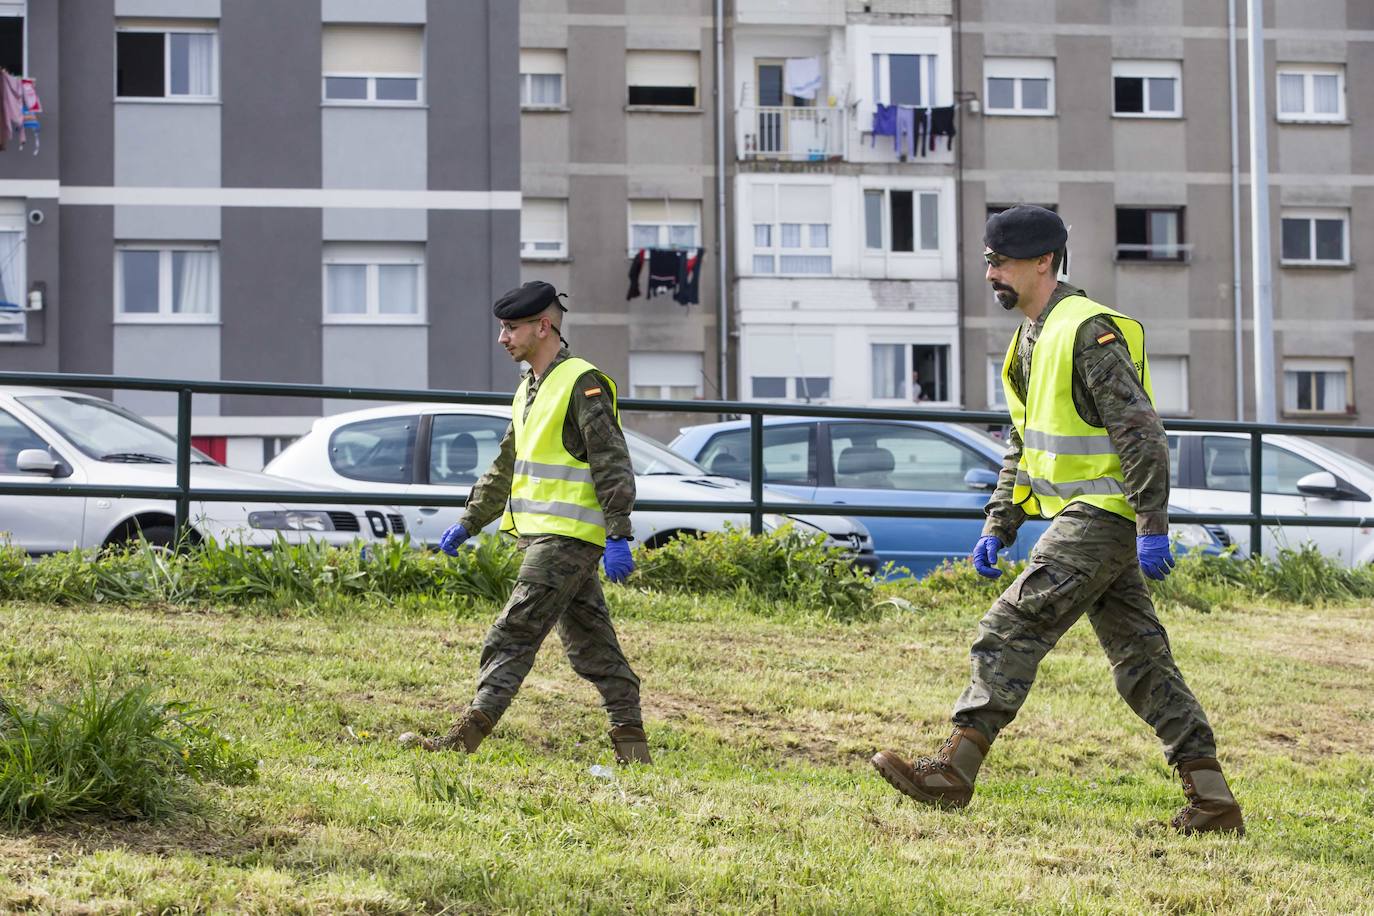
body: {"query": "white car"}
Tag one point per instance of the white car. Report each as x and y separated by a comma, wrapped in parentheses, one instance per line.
(1210, 472)
(53, 436)
(441, 450)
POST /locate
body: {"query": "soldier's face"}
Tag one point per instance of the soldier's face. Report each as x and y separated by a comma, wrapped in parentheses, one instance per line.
(1010, 277)
(519, 337)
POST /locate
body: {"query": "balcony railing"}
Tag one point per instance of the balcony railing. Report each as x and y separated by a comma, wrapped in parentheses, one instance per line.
(793, 134)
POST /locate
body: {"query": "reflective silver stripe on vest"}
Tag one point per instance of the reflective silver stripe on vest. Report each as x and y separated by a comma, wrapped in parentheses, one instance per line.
(552, 471)
(1102, 486)
(558, 510)
(1069, 445)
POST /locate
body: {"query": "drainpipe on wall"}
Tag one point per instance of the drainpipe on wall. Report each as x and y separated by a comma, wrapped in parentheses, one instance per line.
(959, 203)
(722, 249)
(1262, 277)
(1238, 309)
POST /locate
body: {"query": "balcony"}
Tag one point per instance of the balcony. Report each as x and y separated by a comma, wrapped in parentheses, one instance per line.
(790, 12)
(791, 134)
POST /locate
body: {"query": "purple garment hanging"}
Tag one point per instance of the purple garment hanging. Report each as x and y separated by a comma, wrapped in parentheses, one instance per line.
(884, 123)
(906, 132)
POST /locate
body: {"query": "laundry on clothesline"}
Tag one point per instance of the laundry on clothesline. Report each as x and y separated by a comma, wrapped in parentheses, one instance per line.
(674, 271)
(913, 129)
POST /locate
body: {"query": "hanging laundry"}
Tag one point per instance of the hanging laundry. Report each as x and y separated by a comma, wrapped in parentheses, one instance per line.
(905, 140)
(11, 108)
(884, 123)
(942, 125)
(801, 76)
(689, 280)
(663, 269)
(636, 265)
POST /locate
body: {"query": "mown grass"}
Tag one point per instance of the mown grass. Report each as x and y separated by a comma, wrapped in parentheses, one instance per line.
(762, 716)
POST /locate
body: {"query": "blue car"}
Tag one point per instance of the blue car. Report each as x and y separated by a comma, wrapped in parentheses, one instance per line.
(916, 463)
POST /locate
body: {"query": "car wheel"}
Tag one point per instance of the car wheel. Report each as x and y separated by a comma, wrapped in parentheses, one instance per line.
(663, 537)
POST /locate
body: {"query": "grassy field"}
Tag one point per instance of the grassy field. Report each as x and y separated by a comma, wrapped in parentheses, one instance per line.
(761, 799)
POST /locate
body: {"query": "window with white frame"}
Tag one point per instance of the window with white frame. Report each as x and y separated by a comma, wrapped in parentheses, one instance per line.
(166, 61)
(543, 228)
(1147, 88)
(1169, 381)
(1315, 237)
(373, 64)
(911, 371)
(664, 224)
(1318, 386)
(997, 395)
(1311, 92)
(790, 365)
(791, 228)
(166, 282)
(663, 78)
(13, 14)
(668, 375)
(1019, 85)
(374, 283)
(542, 74)
(905, 79)
(13, 264)
(1150, 234)
(901, 221)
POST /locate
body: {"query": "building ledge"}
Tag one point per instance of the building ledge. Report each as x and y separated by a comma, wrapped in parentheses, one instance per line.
(666, 109)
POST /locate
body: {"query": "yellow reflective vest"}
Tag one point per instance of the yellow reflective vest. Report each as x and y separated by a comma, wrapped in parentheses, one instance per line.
(1065, 459)
(551, 492)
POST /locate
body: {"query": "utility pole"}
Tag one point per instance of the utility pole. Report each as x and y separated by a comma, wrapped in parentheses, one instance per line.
(1262, 276)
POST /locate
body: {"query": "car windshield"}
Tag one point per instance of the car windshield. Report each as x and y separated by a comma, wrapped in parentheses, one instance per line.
(649, 457)
(107, 431)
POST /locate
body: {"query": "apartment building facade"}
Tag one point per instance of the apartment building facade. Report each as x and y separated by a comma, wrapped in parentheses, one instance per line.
(319, 192)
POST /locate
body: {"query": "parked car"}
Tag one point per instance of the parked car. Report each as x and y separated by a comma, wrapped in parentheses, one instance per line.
(441, 450)
(1210, 472)
(63, 437)
(914, 463)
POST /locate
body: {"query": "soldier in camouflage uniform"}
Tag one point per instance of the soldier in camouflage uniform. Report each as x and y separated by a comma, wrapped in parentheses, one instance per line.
(1089, 561)
(558, 583)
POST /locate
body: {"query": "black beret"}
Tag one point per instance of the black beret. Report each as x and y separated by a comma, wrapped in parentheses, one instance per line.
(527, 301)
(1025, 232)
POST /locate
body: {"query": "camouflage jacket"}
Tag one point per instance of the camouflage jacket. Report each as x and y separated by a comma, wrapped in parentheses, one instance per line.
(1106, 392)
(591, 433)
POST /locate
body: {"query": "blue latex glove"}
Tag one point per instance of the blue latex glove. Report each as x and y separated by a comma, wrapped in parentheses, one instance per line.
(617, 560)
(985, 556)
(1156, 557)
(453, 537)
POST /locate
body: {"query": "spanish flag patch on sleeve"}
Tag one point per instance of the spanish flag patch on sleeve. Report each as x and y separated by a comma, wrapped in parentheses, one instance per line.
(591, 392)
(1106, 338)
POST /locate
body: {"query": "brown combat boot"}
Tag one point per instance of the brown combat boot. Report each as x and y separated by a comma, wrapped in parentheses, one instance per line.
(631, 745)
(1211, 806)
(466, 734)
(945, 780)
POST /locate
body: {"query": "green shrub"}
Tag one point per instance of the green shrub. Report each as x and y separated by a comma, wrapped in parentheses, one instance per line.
(110, 751)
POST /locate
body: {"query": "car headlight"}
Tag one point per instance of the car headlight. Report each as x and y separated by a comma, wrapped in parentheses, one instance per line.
(1190, 536)
(291, 520)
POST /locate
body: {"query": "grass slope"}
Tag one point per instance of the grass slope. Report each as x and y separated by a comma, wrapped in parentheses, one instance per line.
(761, 800)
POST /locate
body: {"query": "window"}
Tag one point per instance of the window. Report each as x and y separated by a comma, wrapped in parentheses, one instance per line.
(1226, 466)
(1317, 386)
(461, 446)
(374, 283)
(789, 454)
(901, 221)
(13, 264)
(15, 437)
(166, 283)
(904, 79)
(543, 228)
(790, 365)
(12, 36)
(1147, 88)
(663, 78)
(664, 224)
(542, 73)
(1315, 237)
(791, 229)
(997, 395)
(1169, 381)
(177, 62)
(1019, 86)
(1311, 93)
(914, 372)
(886, 456)
(381, 450)
(373, 64)
(1149, 234)
(673, 376)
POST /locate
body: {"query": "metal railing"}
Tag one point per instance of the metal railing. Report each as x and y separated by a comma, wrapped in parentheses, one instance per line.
(812, 134)
(756, 507)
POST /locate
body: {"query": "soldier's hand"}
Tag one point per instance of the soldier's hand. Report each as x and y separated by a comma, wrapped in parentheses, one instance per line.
(1156, 556)
(617, 560)
(453, 537)
(985, 556)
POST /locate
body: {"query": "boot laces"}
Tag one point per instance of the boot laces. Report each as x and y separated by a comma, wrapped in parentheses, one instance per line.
(937, 761)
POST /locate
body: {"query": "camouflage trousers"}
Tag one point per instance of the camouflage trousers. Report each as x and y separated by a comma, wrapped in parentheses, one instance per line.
(558, 585)
(1085, 563)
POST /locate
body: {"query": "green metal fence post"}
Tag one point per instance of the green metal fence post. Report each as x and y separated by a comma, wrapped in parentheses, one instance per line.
(183, 519)
(1256, 482)
(756, 472)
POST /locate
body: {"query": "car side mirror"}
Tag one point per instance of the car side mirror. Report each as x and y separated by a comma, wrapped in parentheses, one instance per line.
(38, 461)
(1325, 485)
(980, 479)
